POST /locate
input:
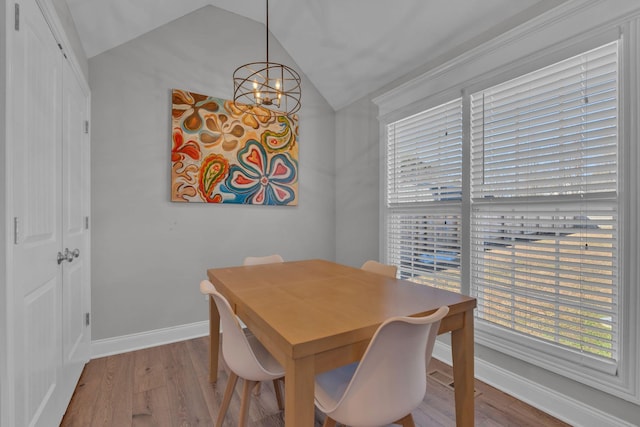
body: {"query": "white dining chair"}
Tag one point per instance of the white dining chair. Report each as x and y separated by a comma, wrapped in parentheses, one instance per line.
(388, 383)
(379, 268)
(257, 260)
(245, 357)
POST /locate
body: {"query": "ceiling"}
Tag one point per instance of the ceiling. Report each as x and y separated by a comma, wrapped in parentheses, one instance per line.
(347, 48)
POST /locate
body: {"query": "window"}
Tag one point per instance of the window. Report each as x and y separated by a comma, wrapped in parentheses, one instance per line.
(544, 225)
(423, 194)
(540, 219)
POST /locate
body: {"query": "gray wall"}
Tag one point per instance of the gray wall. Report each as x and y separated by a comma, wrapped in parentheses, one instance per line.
(357, 183)
(149, 254)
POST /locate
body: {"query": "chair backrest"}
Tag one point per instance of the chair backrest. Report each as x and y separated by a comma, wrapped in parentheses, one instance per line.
(236, 350)
(256, 260)
(391, 379)
(379, 268)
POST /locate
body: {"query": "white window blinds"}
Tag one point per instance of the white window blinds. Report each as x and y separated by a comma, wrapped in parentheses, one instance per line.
(544, 188)
(424, 187)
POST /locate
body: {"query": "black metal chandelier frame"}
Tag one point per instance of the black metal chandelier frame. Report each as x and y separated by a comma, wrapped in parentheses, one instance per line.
(266, 88)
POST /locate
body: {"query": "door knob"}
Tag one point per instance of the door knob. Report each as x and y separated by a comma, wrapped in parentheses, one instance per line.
(72, 254)
(63, 256)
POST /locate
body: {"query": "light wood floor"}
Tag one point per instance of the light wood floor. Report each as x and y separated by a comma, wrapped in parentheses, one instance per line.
(168, 386)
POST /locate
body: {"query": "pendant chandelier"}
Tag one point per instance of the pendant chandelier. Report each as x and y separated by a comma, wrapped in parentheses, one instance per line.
(266, 88)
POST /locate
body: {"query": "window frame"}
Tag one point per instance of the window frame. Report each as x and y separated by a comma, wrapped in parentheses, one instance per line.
(430, 207)
(625, 383)
(549, 199)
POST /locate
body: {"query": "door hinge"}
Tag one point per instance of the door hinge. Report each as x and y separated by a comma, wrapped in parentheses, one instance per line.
(86, 222)
(62, 50)
(87, 319)
(16, 222)
(86, 126)
(17, 17)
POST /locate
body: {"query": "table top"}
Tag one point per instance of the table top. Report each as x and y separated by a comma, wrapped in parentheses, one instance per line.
(306, 307)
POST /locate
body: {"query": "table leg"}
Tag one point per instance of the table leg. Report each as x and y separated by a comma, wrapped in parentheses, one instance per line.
(214, 340)
(463, 377)
(299, 385)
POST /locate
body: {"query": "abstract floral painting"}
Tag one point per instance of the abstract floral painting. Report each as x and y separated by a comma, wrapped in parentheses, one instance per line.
(222, 155)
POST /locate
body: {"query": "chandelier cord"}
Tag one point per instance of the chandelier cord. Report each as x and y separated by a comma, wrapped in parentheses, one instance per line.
(267, 31)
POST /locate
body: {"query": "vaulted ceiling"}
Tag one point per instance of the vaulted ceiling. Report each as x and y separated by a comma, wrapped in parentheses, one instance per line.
(347, 48)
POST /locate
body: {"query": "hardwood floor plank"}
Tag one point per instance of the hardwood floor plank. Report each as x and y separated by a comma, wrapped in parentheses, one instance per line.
(199, 353)
(169, 386)
(151, 408)
(113, 404)
(436, 406)
(532, 417)
(85, 394)
(148, 370)
(187, 404)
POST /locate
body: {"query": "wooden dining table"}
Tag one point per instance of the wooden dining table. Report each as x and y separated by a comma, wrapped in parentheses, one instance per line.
(317, 315)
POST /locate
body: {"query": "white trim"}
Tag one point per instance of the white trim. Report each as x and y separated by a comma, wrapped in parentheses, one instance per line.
(50, 15)
(632, 239)
(397, 97)
(138, 341)
(548, 400)
(6, 331)
(481, 59)
(7, 321)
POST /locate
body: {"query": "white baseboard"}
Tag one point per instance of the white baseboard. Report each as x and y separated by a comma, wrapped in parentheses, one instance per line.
(125, 343)
(559, 405)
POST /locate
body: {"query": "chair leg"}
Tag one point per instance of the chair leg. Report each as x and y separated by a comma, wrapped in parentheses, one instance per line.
(406, 421)
(278, 390)
(245, 402)
(329, 422)
(228, 394)
(257, 389)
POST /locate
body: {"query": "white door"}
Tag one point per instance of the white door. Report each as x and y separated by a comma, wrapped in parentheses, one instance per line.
(75, 205)
(35, 87)
(49, 179)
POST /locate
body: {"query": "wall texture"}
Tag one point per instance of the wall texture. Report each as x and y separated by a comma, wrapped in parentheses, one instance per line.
(149, 254)
(357, 183)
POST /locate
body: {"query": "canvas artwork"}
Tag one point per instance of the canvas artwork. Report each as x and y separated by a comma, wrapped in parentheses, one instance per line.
(221, 155)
